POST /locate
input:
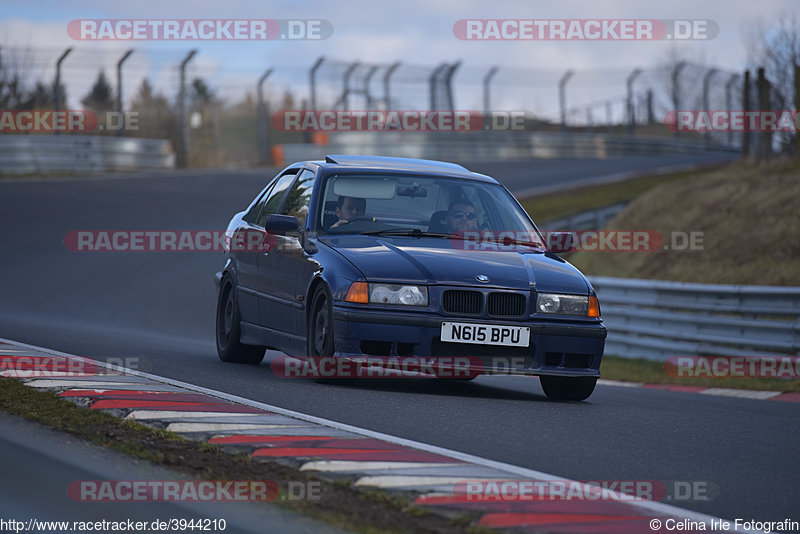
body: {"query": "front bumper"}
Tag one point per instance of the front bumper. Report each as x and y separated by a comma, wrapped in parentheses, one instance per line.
(557, 347)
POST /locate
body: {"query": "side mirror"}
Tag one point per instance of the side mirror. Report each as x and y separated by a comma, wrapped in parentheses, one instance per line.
(561, 242)
(281, 223)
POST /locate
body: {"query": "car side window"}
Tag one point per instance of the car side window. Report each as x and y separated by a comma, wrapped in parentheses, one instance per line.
(275, 197)
(299, 198)
(257, 205)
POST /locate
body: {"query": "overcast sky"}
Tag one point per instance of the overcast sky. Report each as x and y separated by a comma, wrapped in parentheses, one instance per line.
(416, 32)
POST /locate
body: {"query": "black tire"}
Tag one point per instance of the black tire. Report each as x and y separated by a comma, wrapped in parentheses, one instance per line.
(320, 325)
(568, 388)
(319, 333)
(228, 329)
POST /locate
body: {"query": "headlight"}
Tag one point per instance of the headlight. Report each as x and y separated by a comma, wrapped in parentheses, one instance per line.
(398, 294)
(567, 305)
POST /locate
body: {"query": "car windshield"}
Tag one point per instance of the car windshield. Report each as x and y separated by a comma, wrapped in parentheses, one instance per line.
(421, 205)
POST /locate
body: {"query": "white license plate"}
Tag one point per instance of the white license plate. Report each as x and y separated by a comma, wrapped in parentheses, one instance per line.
(486, 334)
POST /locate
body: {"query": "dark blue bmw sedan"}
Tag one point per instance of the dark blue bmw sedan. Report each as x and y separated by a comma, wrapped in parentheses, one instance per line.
(371, 259)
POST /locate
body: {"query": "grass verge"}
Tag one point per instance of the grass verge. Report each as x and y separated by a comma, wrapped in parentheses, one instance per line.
(366, 511)
(551, 206)
(745, 214)
(652, 372)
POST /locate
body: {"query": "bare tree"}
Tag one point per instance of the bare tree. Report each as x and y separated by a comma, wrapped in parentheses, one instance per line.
(156, 118)
(776, 47)
(14, 79)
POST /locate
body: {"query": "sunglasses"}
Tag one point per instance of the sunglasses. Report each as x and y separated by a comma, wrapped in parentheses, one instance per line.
(464, 214)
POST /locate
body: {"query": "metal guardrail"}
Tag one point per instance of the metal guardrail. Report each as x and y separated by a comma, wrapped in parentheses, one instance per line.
(21, 154)
(586, 220)
(656, 319)
(493, 145)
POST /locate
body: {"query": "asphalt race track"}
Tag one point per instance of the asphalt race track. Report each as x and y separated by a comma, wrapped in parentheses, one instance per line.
(38, 464)
(157, 309)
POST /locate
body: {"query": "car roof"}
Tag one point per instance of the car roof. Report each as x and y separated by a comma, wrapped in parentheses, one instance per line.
(426, 166)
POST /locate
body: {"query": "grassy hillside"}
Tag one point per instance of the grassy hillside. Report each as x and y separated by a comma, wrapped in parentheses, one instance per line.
(543, 208)
(749, 216)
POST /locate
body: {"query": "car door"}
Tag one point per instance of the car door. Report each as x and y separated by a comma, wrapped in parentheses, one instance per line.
(275, 303)
(246, 259)
(294, 258)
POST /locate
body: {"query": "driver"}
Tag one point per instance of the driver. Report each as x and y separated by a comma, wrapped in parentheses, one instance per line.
(349, 208)
(461, 217)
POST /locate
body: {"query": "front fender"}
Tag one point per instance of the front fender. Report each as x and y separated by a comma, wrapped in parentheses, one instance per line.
(230, 269)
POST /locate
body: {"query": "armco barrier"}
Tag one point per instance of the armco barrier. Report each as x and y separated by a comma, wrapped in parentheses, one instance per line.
(23, 154)
(492, 145)
(587, 220)
(656, 319)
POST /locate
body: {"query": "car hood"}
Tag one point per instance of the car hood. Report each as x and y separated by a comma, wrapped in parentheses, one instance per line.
(426, 260)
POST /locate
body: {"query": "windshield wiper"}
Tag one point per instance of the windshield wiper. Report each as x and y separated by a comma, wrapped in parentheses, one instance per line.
(412, 232)
(524, 243)
(416, 232)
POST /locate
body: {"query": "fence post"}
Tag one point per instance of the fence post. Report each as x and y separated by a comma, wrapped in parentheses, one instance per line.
(797, 105)
(746, 108)
(345, 98)
(728, 86)
(57, 87)
(764, 138)
(448, 85)
(676, 91)
(119, 88)
(312, 78)
(631, 114)
(562, 97)
(183, 125)
(262, 119)
(706, 105)
(367, 78)
(487, 80)
(432, 81)
(387, 93)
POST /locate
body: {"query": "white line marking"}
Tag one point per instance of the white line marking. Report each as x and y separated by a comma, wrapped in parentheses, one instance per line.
(168, 414)
(44, 383)
(619, 384)
(655, 507)
(399, 481)
(334, 466)
(221, 427)
(44, 373)
(741, 393)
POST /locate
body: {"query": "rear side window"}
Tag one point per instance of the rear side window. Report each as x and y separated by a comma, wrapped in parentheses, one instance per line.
(255, 209)
(273, 200)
